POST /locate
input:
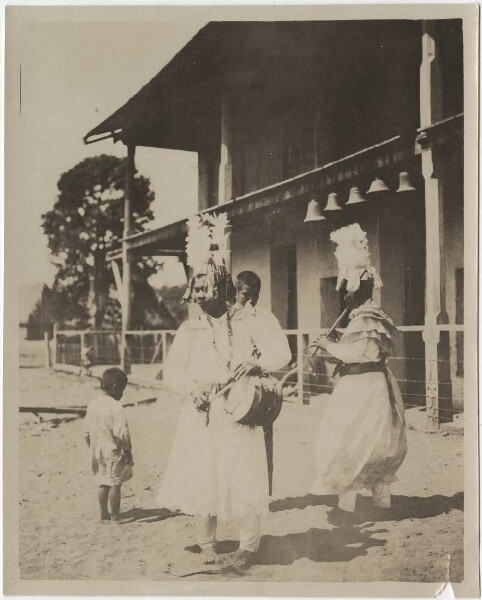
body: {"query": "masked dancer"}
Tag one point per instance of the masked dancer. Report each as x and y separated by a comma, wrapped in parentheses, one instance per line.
(217, 467)
(361, 440)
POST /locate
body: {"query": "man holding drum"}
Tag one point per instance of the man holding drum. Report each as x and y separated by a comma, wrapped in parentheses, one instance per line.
(217, 468)
(248, 287)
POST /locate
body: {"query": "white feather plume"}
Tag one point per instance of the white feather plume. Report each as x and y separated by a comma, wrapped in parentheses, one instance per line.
(198, 244)
(353, 256)
(206, 241)
(219, 239)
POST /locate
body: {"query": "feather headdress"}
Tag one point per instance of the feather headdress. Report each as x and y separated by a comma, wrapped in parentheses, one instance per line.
(353, 257)
(198, 244)
(207, 252)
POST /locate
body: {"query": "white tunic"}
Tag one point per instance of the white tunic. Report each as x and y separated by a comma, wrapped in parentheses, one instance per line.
(106, 425)
(219, 468)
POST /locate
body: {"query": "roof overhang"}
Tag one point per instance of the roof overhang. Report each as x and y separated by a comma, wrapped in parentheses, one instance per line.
(267, 66)
(187, 81)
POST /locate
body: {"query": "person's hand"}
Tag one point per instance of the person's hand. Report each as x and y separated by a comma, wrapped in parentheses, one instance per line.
(199, 396)
(245, 369)
(334, 336)
(321, 343)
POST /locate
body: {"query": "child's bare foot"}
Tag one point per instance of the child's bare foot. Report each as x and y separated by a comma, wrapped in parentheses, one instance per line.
(119, 521)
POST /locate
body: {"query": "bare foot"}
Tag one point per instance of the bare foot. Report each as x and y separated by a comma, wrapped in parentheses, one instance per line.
(239, 561)
(208, 556)
(120, 521)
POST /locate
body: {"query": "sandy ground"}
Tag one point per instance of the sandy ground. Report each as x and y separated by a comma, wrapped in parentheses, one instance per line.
(418, 540)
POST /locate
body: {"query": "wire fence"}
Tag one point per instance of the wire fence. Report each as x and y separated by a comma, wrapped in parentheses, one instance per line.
(307, 378)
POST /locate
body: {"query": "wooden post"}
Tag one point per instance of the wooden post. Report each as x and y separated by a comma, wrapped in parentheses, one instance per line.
(126, 260)
(430, 112)
(225, 186)
(82, 347)
(203, 185)
(54, 339)
(163, 346)
(300, 367)
(117, 278)
(47, 350)
(45, 323)
(228, 233)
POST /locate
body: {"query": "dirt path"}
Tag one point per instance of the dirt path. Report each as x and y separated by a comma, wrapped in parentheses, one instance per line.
(61, 539)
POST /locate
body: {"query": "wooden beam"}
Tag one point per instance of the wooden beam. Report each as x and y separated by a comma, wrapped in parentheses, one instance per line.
(117, 277)
(126, 259)
(430, 111)
(228, 233)
(225, 186)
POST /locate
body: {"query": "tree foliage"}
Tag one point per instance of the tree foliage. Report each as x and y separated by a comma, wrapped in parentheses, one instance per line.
(86, 222)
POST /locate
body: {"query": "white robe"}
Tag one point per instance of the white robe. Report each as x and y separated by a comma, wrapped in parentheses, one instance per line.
(220, 468)
(360, 440)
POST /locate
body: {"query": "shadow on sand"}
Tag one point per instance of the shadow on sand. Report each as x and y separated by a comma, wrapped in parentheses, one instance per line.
(403, 507)
(149, 515)
(319, 545)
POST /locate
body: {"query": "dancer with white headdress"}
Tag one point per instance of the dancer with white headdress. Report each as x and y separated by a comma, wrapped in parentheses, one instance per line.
(217, 467)
(361, 440)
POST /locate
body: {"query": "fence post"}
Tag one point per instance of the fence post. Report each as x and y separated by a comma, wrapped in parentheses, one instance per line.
(123, 350)
(54, 340)
(82, 348)
(163, 347)
(431, 339)
(47, 350)
(300, 366)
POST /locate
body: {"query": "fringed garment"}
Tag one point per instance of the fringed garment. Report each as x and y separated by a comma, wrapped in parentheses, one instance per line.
(361, 439)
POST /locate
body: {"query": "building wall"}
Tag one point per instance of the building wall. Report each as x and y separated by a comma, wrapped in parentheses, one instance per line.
(452, 265)
(316, 260)
(251, 252)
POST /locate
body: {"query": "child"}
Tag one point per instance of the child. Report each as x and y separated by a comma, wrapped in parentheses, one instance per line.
(107, 435)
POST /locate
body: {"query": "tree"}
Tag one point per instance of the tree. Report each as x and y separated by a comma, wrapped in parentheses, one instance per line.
(86, 222)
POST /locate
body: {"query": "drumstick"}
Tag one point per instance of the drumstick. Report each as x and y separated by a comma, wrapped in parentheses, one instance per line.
(223, 390)
(231, 382)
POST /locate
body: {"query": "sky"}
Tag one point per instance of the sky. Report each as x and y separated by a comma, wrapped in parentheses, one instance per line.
(73, 76)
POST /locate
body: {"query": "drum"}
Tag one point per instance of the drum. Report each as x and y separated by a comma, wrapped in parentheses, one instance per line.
(255, 401)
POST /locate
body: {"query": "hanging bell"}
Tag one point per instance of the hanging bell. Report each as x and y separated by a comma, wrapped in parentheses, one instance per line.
(313, 213)
(355, 196)
(332, 203)
(377, 186)
(405, 185)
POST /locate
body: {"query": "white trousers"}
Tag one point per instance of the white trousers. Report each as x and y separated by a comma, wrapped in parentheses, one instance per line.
(249, 532)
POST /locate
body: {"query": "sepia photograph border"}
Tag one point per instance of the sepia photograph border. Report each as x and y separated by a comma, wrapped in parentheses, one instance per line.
(16, 16)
